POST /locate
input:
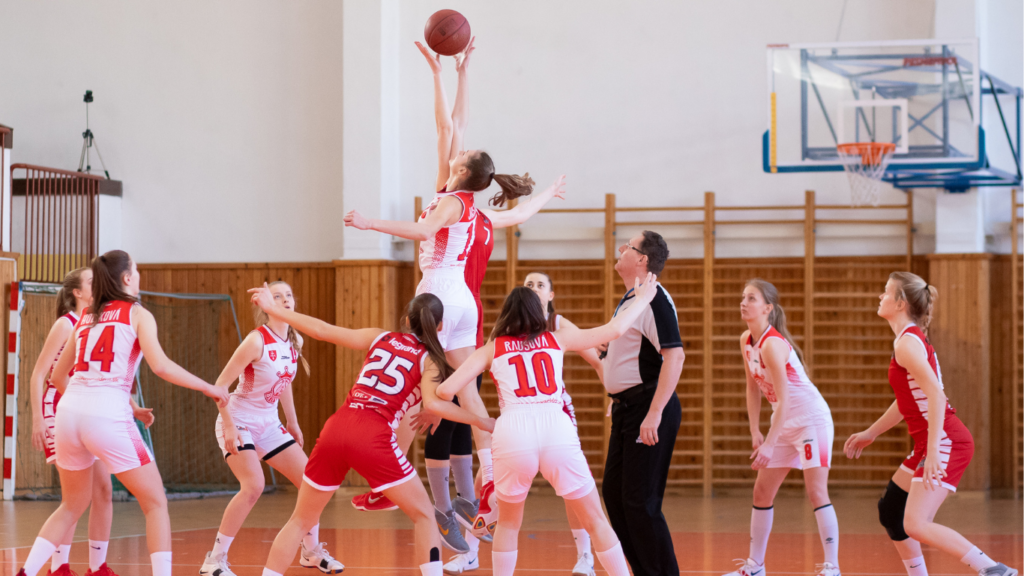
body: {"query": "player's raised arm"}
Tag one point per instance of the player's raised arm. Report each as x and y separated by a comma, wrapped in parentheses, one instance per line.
(359, 339)
(523, 211)
(443, 119)
(572, 338)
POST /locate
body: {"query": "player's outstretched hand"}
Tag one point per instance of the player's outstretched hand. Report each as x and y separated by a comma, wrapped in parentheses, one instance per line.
(462, 58)
(357, 220)
(424, 421)
(559, 187)
(434, 60)
(144, 415)
(218, 393)
(856, 444)
(645, 291)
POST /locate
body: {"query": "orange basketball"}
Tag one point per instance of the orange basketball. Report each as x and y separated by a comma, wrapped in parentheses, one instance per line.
(447, 32)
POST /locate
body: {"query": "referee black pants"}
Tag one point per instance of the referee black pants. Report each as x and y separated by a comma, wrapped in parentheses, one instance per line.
(634, 483)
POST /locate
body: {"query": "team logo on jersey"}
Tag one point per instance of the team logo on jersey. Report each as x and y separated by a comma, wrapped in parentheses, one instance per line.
(283, 380)
(273, 355)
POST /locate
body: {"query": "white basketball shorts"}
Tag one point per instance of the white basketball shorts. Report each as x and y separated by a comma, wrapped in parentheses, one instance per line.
(805, 445)
(97, 423)
(263, 433)
(460, 314)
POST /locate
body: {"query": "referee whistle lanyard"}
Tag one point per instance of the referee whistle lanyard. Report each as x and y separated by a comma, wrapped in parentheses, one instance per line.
(627, 296)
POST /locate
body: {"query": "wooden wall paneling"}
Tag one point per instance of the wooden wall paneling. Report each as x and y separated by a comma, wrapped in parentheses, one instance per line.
(706, 356)
(32, 473)
(810, 216)
(1016, 295)
(960, 331)
(609, 291)
(1001, 356)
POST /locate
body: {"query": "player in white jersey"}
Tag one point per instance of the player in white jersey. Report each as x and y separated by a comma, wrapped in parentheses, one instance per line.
(95, 419)
(249, 429)
(801, 431)
(74, 296)
(534, 433)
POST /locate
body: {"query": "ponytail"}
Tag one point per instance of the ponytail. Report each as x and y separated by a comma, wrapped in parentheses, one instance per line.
(777, 317)
(919, 296)
(262, 318)
(480, 169)
(66, 301)
(423, 314)
(107, 287)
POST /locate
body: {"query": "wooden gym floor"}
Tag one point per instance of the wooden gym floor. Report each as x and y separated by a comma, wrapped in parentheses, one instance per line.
(708, 534)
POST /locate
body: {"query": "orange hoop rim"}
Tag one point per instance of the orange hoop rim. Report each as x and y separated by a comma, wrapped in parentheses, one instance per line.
(871, 153)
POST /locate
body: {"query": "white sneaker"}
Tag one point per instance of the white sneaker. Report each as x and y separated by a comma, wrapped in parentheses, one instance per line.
(827, 569)
(216, 565)
(462, 563)
(584, 565)
(748, 568)
(319, 558)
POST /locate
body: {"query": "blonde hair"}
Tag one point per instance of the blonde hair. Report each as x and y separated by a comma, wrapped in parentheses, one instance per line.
(293, 336)
(919, 296)
(777, 317)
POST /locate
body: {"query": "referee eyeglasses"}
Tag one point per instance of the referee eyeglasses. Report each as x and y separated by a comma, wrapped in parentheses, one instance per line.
(639, 251)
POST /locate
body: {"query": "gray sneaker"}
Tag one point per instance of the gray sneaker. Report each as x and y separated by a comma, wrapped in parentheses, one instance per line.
(451, 535)
(465, 511)
(998, 570)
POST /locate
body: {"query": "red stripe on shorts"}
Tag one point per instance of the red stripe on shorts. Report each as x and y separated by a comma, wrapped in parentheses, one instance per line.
(823, 448)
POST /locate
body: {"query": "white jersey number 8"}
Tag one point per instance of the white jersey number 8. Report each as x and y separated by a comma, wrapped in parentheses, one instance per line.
(386, 364)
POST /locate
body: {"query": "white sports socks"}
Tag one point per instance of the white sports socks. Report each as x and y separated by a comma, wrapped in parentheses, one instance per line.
(977, 560)
(828, 530)
(486, 464)
(428, 569)
(60, 557)
(97, 554)
(312, 538)
(221, 544)
(504, 563)
(269, 572)
(161, 563)
(614, 561)
(916, 567)
(760, 529)
(41, 550)
(473, 541)
(582, 541)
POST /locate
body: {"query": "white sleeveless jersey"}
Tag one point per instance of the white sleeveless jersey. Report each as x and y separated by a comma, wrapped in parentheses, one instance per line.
(70, 317)
(107, 352)
(450, 246)
(804, 398)
(263, 381)
(528, 373)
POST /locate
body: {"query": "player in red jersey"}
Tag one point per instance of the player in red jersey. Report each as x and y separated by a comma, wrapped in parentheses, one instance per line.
(248, 429)
(96, 421)
(361, 434)
(800, 434)
(74, 296)
(942, 444)
(534, 433)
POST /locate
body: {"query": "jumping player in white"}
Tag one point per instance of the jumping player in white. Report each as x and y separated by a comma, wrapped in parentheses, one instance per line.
(249, 429)
(95, 420)
(801, 431)
(534, 432)
(74, 296)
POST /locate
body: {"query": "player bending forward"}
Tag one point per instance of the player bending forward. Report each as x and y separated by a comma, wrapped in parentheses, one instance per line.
(534, 433)
(249, 430)
(361, 434)
(943, 446)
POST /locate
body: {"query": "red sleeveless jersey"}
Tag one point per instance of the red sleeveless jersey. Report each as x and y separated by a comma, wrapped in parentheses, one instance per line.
(910, 399)
(479, 254)
(389, 382)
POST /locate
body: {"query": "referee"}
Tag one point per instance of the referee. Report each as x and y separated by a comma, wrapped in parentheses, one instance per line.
(641, 369)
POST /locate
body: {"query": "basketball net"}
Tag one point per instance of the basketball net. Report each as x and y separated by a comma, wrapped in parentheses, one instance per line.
(865, 164)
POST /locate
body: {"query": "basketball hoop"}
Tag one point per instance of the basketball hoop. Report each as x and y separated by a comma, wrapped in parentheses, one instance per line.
(865, 164)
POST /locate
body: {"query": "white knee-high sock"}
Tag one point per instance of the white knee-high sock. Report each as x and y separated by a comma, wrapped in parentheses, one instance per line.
(504, 563)
(614, 561)
(161, 563)
(582, 541)
(41, 550)
(312, 538)
(977, 560)
(828, 530)
(60, 557)
(760, 529)
(916, 566)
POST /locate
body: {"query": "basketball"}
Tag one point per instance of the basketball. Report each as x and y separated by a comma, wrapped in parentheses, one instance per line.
(447, 32)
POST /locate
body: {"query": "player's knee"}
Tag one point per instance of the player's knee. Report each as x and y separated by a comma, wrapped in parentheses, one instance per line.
(764, 496)
(154, 500)
(818, 495)
(891, 510)
(252, 489)
(102, 489)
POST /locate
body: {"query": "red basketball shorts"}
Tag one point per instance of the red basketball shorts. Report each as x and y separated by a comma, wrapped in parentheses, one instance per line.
(956, 448)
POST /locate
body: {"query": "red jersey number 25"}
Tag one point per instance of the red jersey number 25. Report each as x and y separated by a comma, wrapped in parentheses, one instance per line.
(102, 350)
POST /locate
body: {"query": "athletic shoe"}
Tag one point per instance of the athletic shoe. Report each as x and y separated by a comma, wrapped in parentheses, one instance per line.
(319, 558)
(63, 570)
(584, 565)
(451, 536)
(487, 514)
(465, 511)
(373, 502)
(105, 570)
(212, 566)
(462, 563)
(998, 570)
(828, 569)
(748, 568)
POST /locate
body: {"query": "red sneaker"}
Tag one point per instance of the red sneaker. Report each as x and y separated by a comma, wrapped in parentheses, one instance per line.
(103, 570)
(64, 570)
(487, 515)
(373, 502)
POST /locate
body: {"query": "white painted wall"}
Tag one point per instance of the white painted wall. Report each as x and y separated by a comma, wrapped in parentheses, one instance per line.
(228, 125)
(223, 118)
